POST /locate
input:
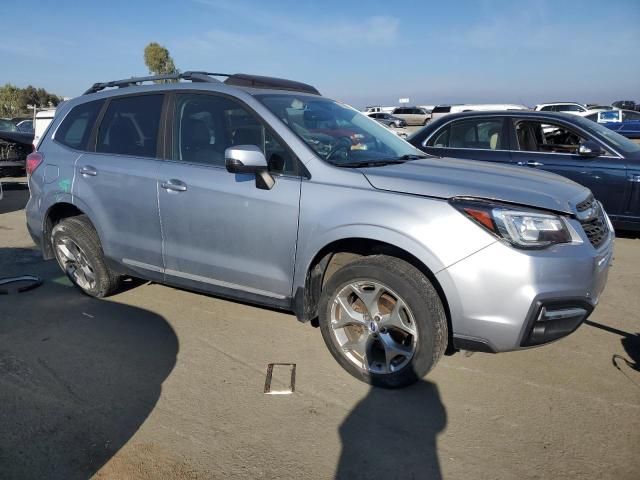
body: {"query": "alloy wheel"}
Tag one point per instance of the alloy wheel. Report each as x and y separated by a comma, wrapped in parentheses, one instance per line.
(373, 327)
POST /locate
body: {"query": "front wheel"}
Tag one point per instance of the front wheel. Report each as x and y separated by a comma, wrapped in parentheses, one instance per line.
(383, 321)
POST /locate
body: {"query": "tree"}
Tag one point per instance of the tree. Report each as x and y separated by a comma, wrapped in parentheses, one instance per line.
(16, 101)
(9, 100)
(158, 60)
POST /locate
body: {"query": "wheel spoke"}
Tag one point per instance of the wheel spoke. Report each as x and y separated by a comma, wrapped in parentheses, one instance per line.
(350, 317)
(370, 298)
(66, 252)
(396, 320)
(392, 349)
(361, 346)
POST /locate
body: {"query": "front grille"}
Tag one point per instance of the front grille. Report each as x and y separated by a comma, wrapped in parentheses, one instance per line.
(595, 225)
(582, 206)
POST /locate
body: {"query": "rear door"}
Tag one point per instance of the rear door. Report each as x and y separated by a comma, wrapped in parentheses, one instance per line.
(222, 233)
(553, 146)
(118, 181)
(477, 138)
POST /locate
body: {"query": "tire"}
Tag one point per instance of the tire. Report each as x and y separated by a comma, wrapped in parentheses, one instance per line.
(423, 321)
(79, 253)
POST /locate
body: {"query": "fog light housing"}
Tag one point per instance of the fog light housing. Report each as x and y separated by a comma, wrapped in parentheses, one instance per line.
(553, 320)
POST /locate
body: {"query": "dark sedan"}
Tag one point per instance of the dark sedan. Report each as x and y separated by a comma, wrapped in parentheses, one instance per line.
(569, 145)
(388, 120)
(14, 147)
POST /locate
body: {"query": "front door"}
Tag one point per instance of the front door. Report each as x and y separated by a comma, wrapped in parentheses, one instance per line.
(220, 231)
(554, 146)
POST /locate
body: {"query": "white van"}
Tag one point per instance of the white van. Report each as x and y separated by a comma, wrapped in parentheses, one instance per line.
(43, 119)
(442, 110)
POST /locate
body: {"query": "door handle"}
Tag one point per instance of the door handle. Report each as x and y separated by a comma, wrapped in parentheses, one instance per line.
(531, 164)
(174, 185)
(88, 171)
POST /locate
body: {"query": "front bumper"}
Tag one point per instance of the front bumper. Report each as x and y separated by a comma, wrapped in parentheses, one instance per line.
(502, 298)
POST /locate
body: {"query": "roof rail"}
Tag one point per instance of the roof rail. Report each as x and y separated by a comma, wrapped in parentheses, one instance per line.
(236, 79)
(127, 82)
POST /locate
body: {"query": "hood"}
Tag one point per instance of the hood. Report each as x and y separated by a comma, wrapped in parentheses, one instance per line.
(448, 177)
(17, 137)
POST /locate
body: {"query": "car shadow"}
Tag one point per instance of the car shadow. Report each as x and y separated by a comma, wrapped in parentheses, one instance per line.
(630, 342)
(78, 376)
(393, 434)
(15, 196)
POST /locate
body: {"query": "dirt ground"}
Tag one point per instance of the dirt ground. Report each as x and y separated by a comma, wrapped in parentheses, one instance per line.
(157, 382)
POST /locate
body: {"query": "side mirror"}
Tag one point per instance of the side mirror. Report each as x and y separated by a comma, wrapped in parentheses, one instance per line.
(589, 149)
(249, 159)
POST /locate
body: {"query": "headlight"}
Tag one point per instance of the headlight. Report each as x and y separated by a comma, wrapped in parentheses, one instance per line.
(522, 228)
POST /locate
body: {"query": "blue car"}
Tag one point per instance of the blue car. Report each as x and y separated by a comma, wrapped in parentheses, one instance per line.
(584, 151)
(625, 122)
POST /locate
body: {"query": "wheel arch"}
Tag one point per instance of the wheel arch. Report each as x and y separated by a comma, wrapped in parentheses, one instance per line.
(333, 255)
(58, 211)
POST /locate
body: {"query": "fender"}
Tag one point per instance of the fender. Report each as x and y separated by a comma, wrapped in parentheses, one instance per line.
(307, 253)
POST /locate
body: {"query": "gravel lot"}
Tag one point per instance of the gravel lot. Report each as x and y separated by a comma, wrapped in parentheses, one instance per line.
(157, 382)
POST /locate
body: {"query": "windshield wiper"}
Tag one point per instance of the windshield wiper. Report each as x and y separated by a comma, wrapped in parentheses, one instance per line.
(370, 163)
(382, 162)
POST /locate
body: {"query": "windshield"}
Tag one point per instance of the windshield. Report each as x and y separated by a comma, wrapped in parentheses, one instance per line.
(609, 136)
(339, 134)
(7, 126)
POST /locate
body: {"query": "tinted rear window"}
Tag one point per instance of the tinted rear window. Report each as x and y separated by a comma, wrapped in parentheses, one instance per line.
(130, 126)
(441, 110)
(75, 129)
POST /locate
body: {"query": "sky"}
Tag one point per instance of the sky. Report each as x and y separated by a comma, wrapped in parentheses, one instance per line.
(362, 53)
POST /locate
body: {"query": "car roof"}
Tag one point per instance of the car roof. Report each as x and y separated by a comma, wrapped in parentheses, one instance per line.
(561, 103)
(508, 113)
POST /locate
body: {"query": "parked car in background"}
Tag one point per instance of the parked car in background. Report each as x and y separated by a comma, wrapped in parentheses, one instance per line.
(625, 122)
(25, 126)
(412, 115)
(388, 119)
(43, 119)
(564, 107)
(398, 256)
(598, 107)
(575, 147)
(378, 109)
(14, 147)
(443, 110)
(625, 105)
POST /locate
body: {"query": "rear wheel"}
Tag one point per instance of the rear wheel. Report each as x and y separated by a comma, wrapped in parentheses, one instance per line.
(77, 248)
(383, 321)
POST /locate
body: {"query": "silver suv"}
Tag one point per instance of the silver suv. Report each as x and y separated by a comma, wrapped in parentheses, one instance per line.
(262, 190)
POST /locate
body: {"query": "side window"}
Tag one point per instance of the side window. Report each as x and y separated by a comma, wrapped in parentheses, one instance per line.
(75, 129)
(483, 134)
(130, 126)
(571, 108)
(542, 137)
(440, 139)
(206, 125)
(628, 116)
(548, 108)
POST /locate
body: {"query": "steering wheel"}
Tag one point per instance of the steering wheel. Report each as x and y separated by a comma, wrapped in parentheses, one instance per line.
(342, 143)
